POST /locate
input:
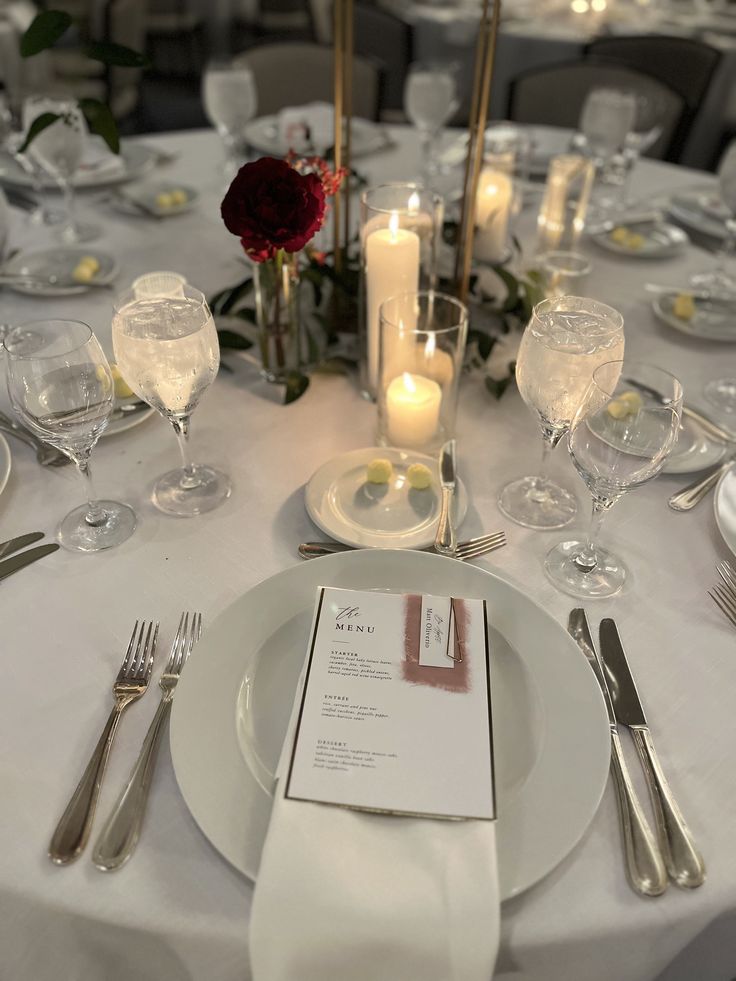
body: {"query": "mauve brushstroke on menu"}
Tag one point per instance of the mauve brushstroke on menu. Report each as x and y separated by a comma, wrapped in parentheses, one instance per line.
(456, 678)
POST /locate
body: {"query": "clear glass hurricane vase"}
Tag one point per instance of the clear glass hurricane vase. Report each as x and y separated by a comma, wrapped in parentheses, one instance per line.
(61, 387)
(624, 429)
(278, 315)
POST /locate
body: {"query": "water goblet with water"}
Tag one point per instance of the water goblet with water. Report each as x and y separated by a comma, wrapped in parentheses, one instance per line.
(625, 426)
(566, 339)
(167, 350)
(430, 100)
(61, 388)
(230, 100)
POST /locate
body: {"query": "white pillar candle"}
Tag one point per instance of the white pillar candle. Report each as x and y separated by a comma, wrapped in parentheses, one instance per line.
(492, 207)
(391, 267)
(412, 410)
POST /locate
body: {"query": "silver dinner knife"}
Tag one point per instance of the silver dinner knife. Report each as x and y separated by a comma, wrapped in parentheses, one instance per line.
(16, 544)
(20, 561)
(688, 497)
(645, 869)
(684, 863)
(445, 541)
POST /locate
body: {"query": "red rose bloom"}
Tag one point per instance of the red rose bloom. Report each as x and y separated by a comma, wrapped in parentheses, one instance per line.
(271, 206)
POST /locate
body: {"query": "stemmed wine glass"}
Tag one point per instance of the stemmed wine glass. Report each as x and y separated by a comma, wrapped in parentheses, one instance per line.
(61, 387)
(607, 117)
(719, 278)
(644, 133)
(230, 100)
(622, 433)
(430, 100)
(166, 349)
(567, 338)
(58, 149)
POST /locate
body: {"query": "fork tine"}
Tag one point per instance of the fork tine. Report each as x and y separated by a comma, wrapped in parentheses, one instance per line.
(479, 550)
(182, 647)
(141, 664)
(473, 543)
(727, 575)
(135, 667)
(126, 660)
(147, 665)
(175, 646)
(481, 538)
(722, 608)
(726, 597)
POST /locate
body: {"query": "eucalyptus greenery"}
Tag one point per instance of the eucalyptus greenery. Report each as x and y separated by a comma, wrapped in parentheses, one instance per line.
(46, 29)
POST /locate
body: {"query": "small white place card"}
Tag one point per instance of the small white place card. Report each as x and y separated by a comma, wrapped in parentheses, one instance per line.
(395, 712)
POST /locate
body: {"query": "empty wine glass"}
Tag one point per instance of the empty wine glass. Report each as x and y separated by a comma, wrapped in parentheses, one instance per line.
(622, 433)
(566, 339)
(230, 100)
(58, 150)
(61, 387)
(166, 349)
(430, 100)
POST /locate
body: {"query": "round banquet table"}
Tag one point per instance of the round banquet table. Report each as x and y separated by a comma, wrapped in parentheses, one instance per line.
(177, 910)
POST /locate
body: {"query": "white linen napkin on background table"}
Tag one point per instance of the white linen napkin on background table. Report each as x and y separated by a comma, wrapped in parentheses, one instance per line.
(346, 895)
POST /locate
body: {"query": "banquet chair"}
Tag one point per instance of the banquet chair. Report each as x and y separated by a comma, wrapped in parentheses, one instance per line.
(294, 74)
(384, 37)
(684, 64)
(555, 95)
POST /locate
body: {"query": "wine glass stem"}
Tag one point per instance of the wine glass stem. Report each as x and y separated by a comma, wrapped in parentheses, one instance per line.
(181, 428)
(96, 515)
(70, 224)
(586, 559)
(550, 439)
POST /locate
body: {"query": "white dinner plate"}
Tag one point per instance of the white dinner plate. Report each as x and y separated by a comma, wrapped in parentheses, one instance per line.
(394, 515)
(4, 462)
(698, 208)
(724, 505)
(59, 262)
(550, 727)
(123, 423)
(714, 320)
(137, 159)
(263, 134)
(660, 241)
(142, 200)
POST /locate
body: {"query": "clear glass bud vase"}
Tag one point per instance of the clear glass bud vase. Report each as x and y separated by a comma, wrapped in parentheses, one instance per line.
(278, 315)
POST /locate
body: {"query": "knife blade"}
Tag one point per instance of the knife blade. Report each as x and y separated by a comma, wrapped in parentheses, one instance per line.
(15, 544)
(445, 541)
(644, 866)
(9, 566)
(684, 863)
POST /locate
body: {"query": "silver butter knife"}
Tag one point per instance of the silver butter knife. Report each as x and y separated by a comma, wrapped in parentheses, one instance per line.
(684, 863)
(688, 497)
(645, 869)
(20, 561)
(16, 544)
(446, 540)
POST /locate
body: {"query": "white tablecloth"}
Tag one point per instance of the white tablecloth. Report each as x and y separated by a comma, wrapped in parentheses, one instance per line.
(178, 911)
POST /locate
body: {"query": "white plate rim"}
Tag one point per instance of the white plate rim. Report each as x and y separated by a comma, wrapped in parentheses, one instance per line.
(603, 240)
(5, 463)
(375, 135)
(318, 485)
(146, 161)
(244, 809)
(729, 539)
(124, 205)
(670, 320)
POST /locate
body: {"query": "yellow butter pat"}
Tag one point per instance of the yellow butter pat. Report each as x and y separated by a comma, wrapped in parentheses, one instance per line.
(122, 388)
(419, 476)
(379, 471)
(684, 306)
(179, 197)
(164, 200)
(619, 235)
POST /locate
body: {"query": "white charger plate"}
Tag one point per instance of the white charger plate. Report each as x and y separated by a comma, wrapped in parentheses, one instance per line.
(661, 241)
(550, 726)
(263, 134)
(724, 505)
(60, 261)
(140, 200)
(345, 506)
(713, 320)
(137, 159)
(4, 462)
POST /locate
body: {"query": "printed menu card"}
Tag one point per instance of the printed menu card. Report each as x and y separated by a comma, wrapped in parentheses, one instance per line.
(395, 712)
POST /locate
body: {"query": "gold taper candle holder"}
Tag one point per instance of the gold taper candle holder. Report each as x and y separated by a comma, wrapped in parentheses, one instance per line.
(485, 53)
(343, 102)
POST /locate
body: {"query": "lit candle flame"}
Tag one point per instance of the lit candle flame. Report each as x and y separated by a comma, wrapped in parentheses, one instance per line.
(430, 346)
(393, 225)
(409, 383)
(413, 203)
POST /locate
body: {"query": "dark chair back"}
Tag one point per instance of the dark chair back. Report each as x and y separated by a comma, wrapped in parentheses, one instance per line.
(387, 39)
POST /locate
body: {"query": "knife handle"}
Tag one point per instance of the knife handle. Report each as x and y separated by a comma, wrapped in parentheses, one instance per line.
(446, 540)
(644, 866)
(691, 495)
(684, 862)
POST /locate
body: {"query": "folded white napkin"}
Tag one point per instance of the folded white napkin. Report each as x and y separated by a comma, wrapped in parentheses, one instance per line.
(98, 161)
(345, 895)
(308, 126)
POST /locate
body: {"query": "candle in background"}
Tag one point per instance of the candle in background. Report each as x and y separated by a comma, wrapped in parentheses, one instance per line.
(434, 363)
(492, 208)
(412, 410)
(392, 267)
(561, 218)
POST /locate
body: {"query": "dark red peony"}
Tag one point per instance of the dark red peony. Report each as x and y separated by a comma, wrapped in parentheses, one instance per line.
(271, 206)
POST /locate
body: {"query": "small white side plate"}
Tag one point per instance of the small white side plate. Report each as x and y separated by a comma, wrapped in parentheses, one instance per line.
(661, 241)
(59, 262)
(724, 505)
(263, 134)
(140, 200)
(345, 506)
(713, 320)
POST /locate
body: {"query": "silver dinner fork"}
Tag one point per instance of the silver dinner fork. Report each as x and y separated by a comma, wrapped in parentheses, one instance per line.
(723, 593)
(122, 829)
(73, 829)
(473, 548)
